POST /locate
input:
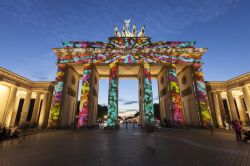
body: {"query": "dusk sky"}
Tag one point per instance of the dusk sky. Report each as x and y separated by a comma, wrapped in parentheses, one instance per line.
(30, 28)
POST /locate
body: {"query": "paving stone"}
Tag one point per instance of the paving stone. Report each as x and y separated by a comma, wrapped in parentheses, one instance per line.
(125, 147)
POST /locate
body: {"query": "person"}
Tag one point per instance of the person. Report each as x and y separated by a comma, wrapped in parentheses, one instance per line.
(211, 127)
(247, 136)
(1, 136)
(237, 129)
(126, 124)
(151, 141)
(226, 125)
(164, 122)
(15, 133)
(4, 132)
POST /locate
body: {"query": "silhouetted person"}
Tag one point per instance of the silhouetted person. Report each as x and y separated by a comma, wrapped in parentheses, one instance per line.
(4, 132)
(211, 127)
(247, 136)
(237, 129)
(151, 141)
(133, 124)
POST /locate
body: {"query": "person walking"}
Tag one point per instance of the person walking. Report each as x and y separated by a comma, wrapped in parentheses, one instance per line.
(164, 122)
(237, 129)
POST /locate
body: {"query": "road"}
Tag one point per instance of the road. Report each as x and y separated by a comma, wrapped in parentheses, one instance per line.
(125, 147)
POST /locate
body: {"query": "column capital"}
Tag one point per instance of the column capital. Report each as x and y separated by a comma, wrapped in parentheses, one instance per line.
(14, 86)
(246, 86)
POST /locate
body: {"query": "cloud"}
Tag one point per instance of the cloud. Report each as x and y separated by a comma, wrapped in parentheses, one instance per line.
(127, 102)
(128, 110)
(90, 19)
(39, 77)
(130, 102)
(132, 110)
(121, 100)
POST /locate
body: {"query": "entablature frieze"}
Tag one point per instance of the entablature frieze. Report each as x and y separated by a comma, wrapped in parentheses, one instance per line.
(236, 82)
(19, 81)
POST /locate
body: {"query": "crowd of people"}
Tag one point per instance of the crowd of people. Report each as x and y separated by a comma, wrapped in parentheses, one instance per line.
(6, 133)
(238, 131)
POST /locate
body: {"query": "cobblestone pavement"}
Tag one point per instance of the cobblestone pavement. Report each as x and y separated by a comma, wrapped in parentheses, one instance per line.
(125, 147)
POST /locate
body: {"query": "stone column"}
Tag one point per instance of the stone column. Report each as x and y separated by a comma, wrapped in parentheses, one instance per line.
(57, 97)
(25, 109)
(222, 109)
(211, 104)
(201, 96)
(229, 112)
(246, 94)
(148, 96)
(175, 97)
(48, 108)
(41, 120)
(93, 98)
(13, 116)
(113, 96)
(141, 94)
(85, 97)
(35, 113)
(241, 110)
(217, 109)
(10, 106)
(232, 107)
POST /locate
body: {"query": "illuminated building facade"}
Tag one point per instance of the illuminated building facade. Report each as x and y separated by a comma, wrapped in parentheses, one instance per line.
(230, 100)
(177, 66)
(23, 102)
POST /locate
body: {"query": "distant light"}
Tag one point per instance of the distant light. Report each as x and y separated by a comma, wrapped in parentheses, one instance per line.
(3, 88)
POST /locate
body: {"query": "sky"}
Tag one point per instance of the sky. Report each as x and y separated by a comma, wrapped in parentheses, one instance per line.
(30, 28)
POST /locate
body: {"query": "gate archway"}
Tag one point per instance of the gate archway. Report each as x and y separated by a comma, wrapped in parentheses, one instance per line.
(132, 51)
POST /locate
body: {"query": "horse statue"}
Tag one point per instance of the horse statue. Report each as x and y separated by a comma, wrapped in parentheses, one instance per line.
(117, 33)
(126, 33)
(126, 28)
(134, 31)
(141, 33)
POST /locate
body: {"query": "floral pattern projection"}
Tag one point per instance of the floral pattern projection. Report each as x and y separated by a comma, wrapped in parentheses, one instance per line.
(202, 96)
(57, 97)
(136, 50)
(148, 96)
(175, 97)
(113, 96)
(84, 100)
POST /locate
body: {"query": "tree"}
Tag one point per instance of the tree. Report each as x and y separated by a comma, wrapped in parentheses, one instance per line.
(102, 110)
(136, 114)
(157, 110)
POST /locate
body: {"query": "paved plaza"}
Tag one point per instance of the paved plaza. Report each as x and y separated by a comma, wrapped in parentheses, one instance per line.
(125, 147)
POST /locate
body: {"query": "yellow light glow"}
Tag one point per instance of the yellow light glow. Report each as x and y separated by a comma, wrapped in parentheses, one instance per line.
(237, 93)
(3, 88)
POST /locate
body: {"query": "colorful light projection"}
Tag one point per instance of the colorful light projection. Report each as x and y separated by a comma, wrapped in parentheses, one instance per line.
(175, 98)
(57, 97)
(113, 96)
(202, 95)
(84, 99)
(140, 49)
(136, 50)
(148, 96)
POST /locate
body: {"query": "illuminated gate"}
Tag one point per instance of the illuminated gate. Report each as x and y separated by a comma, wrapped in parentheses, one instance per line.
(130, 49)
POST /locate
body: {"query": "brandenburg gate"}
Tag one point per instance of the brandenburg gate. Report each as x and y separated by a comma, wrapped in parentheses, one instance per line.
(177, 66)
